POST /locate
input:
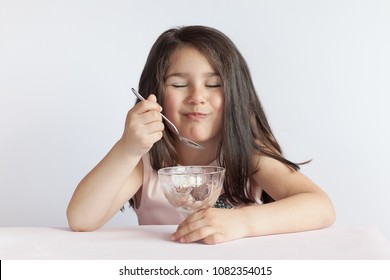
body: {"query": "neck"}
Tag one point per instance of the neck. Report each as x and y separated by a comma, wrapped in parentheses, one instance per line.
(191, 156)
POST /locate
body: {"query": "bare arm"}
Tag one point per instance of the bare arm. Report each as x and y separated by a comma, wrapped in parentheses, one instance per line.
(299, 205)
(119, 175)
(104, 190)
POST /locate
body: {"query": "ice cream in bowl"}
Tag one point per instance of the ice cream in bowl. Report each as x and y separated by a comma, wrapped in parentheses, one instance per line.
(191, 188)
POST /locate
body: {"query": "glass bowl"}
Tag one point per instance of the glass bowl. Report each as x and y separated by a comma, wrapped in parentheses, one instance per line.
(190, 188)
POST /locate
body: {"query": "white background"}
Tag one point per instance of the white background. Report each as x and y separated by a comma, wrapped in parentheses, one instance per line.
(321, 68)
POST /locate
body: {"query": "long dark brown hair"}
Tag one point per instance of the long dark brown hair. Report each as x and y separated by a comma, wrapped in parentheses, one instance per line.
(245, 129)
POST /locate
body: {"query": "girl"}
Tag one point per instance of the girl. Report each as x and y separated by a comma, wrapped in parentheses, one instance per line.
(204, 87)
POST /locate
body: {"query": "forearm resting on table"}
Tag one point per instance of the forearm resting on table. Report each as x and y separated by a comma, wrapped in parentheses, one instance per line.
(301, 212)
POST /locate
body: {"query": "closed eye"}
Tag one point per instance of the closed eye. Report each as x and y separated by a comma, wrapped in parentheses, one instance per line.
(179, 86)
(213, 86)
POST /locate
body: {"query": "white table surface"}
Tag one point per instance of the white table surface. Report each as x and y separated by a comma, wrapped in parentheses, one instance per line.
(152, 242)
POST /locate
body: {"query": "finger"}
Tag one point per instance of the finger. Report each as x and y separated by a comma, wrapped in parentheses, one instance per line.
(200, 233)
(144, 141)
(154, 137)
(145, 129)
(150, 121)
(192, 218)
(191, 229)
(153, 127)
(145, 106)
(213, 238)
(150, 117)
(152, 98)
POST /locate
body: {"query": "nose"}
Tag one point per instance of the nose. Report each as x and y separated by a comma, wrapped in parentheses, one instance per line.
(196, 96)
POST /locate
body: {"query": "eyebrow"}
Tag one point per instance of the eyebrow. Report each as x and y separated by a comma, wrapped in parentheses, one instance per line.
(184, 75)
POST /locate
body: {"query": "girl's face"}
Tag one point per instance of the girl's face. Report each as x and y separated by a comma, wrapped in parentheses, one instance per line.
(193, 96)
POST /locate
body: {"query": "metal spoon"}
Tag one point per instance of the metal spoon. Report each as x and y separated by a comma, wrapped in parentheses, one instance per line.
(186, 141)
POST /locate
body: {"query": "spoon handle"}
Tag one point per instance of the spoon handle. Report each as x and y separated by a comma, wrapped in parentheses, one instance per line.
(137, 94)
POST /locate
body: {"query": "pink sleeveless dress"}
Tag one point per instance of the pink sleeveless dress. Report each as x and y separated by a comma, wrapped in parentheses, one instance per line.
(154, 208)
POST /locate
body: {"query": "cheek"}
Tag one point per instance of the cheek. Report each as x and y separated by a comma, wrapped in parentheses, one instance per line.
(170, 106)
(218, 103)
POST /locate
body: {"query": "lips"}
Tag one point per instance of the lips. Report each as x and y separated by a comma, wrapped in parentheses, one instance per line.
(195, 116)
